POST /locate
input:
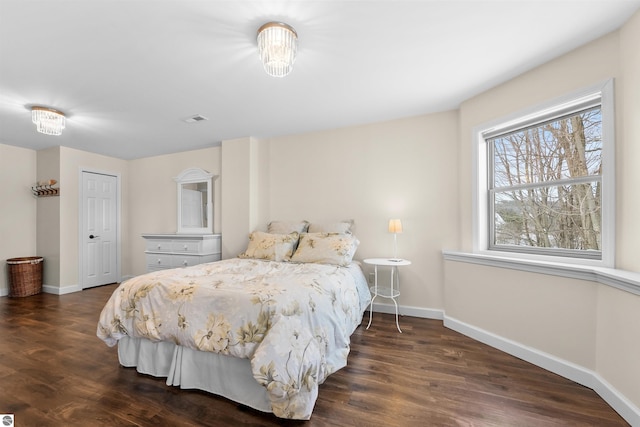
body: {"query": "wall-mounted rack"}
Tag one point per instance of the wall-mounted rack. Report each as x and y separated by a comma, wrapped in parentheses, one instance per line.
(45, 191)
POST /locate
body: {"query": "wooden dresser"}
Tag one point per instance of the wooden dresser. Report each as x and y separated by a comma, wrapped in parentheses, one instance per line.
(181, 250)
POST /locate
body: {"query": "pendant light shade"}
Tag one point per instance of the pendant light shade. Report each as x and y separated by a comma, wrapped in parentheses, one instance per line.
(48, 120)
(278, 45)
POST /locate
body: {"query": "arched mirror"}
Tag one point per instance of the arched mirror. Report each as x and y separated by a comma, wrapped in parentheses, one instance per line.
(195, 206)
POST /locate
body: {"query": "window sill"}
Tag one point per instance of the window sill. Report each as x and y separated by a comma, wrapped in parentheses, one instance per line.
(620, 279)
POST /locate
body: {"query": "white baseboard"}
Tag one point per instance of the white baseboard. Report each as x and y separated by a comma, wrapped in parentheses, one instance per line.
(569, 370)
(426, 313)
(67, 289)
(60, 290)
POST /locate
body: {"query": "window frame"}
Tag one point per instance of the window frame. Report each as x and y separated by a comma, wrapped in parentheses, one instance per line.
(599, 94)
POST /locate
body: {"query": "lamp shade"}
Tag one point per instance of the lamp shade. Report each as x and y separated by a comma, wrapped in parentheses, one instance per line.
(395, 226)
(278, 45)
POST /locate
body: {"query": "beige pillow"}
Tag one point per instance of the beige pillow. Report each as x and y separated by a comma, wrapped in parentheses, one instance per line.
(326, 248)
(269, 246)
(342, 227)
(286, 227)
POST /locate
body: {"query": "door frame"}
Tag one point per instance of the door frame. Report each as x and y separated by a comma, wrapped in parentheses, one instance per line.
(81, 252)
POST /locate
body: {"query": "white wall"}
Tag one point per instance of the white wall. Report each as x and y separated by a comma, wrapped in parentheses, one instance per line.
(71, 162)
(628, 158)
(399, 169)
(50, 225)
(152, 206)
(239, 194)
(583, 323)
(48, 218)
(618, 314)
(18, 217)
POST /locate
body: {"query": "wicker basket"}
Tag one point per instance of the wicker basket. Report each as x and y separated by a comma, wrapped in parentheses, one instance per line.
(25, 276)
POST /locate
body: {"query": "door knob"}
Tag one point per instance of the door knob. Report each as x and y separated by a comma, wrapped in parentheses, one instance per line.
(91, 236)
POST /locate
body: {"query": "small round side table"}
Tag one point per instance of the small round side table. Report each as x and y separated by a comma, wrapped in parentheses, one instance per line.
(391, 291)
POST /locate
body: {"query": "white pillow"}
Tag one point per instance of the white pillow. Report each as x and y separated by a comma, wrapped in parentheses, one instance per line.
(326, 248)
(269, 246)
(286, 227)
(342, 227)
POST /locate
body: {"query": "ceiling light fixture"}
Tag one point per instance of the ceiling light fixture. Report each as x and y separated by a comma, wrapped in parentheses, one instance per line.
(278, 44)
(47, 120)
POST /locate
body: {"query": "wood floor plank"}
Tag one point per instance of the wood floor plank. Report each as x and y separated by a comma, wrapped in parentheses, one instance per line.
(54, 371)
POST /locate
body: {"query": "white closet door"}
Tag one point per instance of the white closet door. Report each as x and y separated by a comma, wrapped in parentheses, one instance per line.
(100, 228)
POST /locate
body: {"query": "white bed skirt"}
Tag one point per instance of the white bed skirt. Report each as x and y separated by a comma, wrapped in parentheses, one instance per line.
(222, 375)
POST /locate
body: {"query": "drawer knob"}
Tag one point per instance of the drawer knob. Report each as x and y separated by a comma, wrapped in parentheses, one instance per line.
(185, 263)
(159, 261)
(186, 247)
(159, 246)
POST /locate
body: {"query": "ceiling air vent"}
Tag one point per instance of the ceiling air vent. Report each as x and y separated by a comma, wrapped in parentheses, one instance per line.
(195, 119)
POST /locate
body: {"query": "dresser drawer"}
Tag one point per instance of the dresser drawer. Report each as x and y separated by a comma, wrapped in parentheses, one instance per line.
(158, 245)
(212, 245)
(189, 260)
(173, 250)
(187, 246)
(159, 261)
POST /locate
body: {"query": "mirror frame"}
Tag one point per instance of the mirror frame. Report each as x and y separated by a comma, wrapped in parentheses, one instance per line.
(195, 176)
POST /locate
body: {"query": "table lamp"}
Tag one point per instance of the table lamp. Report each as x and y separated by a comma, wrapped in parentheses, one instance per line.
(395, 227)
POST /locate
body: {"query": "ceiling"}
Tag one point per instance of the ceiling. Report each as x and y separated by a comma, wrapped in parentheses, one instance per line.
(128, 72)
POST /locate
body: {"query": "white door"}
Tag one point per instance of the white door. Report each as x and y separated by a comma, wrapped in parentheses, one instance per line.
(100, 228)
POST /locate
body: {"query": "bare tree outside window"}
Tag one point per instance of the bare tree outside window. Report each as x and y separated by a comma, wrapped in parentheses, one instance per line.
(545, 187)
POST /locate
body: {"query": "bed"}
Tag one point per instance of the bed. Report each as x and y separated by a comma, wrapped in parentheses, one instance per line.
(264, 329)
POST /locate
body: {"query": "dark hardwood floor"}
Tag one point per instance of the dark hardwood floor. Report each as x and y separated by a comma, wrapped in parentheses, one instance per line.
(54, 371)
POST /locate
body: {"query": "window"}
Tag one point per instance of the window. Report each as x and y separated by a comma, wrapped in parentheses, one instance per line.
(548, 180)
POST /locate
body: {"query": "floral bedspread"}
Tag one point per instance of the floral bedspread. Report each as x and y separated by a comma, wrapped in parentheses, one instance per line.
(292, 320)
